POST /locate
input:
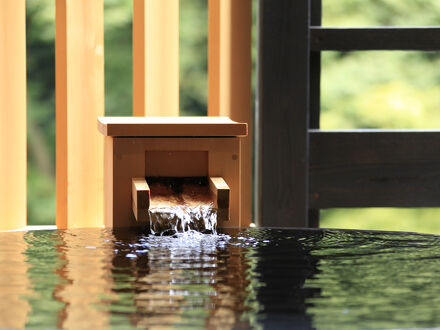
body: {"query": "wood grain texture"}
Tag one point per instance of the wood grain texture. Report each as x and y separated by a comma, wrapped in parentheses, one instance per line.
(170, 126)
(315, 91)
(284, 112)
(229, 77)
(125, 159)
(156, 58)
(12, 114)
(375, 38)
(221, 191)
(374, 168)
(79, 101)
(140, 195)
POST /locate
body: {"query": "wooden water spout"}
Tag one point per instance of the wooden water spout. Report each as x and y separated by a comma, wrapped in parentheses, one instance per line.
(163, 202)
(157, 166)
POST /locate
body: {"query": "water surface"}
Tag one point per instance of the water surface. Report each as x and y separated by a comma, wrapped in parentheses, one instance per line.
(259, 278)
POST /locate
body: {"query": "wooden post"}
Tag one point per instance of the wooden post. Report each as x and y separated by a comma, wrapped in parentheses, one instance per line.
(12, 114)
(315, 90)
(229, 79)
(156, 58)
(79, 101)
(283, 94)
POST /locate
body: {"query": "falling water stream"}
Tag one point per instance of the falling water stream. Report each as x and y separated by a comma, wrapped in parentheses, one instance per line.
(177, 207)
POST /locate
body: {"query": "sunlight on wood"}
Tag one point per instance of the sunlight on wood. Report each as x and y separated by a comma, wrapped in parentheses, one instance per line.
(12, 114)
(156, 58)
(79, 101)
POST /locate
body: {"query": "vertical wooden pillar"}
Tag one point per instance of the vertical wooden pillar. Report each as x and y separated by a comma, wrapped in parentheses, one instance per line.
(315, 90)
(79, 101)
(283, 94)
(156, 58)
(12, 114)
(229, 78)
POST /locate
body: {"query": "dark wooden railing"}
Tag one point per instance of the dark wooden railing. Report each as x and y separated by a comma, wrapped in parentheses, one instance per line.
(304, 169)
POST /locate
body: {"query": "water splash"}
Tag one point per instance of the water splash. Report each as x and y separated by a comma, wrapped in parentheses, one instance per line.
(189, 208)
(181, 218)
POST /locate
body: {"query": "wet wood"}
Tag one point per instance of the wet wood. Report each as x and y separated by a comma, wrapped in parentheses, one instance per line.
(174, 201)
(374, 168)
(375, 38)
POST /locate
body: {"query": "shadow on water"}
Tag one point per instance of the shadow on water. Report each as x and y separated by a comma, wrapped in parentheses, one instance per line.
(259, 278)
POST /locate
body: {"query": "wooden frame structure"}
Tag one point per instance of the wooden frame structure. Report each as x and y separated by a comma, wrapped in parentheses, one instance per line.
(80, 94)
(137, 148)
(303, 168)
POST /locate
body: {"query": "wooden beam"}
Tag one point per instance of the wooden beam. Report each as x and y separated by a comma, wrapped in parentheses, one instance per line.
(156, 58)
(283, 97)
(79, 101)
(12, 114)
(374, 168)
(140, 192)
(229, 79)
(171, 126)
(220, 189)
(375, 38)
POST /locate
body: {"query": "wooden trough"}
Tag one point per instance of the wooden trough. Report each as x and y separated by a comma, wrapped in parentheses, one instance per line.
(144, 152)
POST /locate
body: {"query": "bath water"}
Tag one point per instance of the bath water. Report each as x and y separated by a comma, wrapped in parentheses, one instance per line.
(256, 278)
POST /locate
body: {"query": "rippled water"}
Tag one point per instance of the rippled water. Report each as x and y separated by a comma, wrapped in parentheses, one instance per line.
(260, 278)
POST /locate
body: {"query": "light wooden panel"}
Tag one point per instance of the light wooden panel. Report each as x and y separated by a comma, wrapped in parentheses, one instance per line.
(170, 126)
(156, 58)
(79, 101)
(229, 78)
(12, 114)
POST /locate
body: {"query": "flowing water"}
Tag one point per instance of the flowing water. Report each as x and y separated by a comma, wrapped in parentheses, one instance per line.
(258, 278)
(180, 206)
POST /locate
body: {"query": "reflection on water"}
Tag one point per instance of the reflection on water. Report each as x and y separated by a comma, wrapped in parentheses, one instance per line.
(260, 278)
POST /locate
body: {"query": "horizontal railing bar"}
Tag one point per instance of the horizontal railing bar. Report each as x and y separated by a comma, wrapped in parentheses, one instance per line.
(374, 168)
(375, 38)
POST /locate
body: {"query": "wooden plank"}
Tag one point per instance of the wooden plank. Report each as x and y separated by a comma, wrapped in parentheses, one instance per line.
(140, 195)
(284, 112)
(229, 79)
(315, 91)
(375, 38)
(315, 70)
(170, 126)
(221, 190)
(374, 168)
(12, 114)
(79, 101)
(156, 58)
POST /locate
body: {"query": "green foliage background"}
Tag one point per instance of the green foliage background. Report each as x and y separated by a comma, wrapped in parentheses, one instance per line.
(359, 89)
